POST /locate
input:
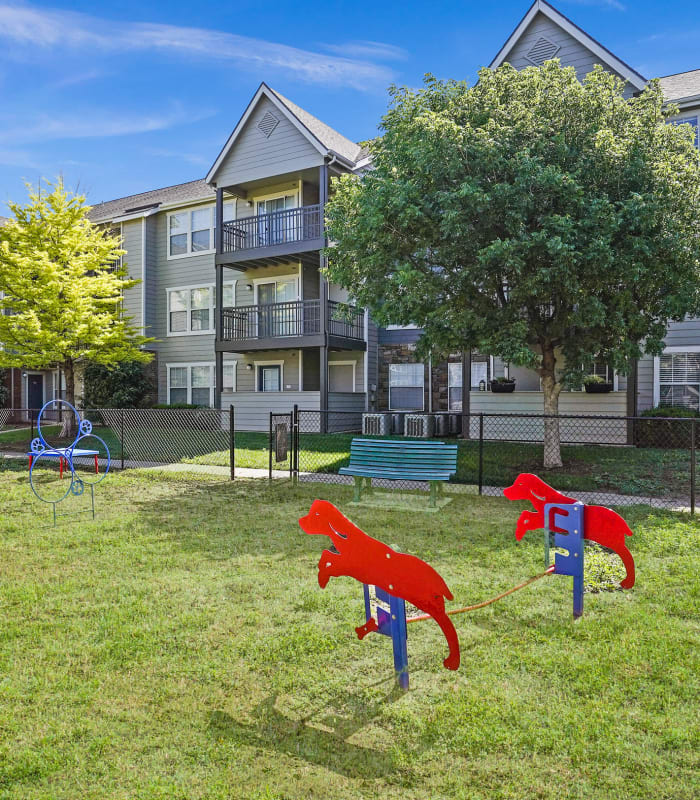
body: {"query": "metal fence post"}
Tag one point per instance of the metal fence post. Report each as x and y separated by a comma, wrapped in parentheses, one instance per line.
(121, 438)
(295, 444)
(269, 474)
(481, 453)
(692, 466)
(232, 440)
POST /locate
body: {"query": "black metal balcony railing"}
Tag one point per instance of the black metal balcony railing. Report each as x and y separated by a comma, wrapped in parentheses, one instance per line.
(265, 230)
(294, 318)
(344, 320)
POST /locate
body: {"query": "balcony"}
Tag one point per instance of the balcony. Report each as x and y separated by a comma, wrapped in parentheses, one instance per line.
(267, 238)
(293, 324)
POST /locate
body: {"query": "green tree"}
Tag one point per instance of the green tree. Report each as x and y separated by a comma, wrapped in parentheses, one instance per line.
(540, 219)
(124, 385)
(61, 288)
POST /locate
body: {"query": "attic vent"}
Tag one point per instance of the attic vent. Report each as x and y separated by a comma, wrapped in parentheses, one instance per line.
(541, 51)
(267, 124)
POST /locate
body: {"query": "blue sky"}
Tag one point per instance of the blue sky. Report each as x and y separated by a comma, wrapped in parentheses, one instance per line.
(122, 98)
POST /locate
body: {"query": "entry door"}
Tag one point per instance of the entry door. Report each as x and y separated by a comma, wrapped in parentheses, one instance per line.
(269, 378)
(340, 378)
(275, 228)
(278, 320)
(35, 391)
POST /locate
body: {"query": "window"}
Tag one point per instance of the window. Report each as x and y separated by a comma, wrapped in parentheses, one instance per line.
(191, 232)
(191, 308)
(689, 121)
(269, 377)
(406, 387)
(228, 383)
(679, 380)
(341, 376)
(454, 386)
(602, 370)
(191, 383)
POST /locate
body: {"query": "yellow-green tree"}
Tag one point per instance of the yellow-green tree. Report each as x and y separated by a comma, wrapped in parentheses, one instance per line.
(61, 287)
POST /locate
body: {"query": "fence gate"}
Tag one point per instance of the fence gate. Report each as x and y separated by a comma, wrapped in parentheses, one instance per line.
(281, 443)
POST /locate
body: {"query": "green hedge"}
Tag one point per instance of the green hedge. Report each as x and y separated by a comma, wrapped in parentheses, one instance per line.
(664, 427)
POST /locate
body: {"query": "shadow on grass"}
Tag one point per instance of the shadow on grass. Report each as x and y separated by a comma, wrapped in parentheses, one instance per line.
(319, 738)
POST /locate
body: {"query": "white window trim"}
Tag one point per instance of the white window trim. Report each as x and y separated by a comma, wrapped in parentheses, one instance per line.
(690, 348)
(188, 210)
(233, 364)
(188, 365)
(279, 364)
(352, 364)
(212, 307)
(422, 408)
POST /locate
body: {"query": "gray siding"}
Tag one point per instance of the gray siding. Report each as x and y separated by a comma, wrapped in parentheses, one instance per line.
(310, 288)
(645, 383)
(571, 53)
(254, 156)
(132, 243)
(252, 415)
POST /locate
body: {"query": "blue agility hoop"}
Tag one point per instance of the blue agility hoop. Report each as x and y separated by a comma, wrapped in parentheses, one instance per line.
(40, 448)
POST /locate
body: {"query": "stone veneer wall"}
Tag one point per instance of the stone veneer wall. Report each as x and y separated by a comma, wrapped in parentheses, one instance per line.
(406, 354)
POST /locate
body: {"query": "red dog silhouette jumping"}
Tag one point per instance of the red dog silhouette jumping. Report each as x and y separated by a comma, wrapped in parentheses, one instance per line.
(601, 524)
(370, 561)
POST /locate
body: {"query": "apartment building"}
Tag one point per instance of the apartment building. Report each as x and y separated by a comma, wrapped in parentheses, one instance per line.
(232, 290)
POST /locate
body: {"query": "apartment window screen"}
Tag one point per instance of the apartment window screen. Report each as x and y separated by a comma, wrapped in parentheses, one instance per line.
(679, 380)
(406, 383)
(193, 231)
(191, 383)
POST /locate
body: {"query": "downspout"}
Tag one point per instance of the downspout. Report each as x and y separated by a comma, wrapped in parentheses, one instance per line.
(143, 275)
(366, 383)
(430, 382)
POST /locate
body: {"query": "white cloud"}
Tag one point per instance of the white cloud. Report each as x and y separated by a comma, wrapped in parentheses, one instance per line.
(46, 28)
(17, 158)
(367, 49)
(95, 124)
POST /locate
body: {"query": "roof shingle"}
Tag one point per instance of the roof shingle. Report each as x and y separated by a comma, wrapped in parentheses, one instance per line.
(182, 192)
(682, 84)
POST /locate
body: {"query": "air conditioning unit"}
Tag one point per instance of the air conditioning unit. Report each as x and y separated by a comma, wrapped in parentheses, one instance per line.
(374, 424)
(441, 425)
(396, 419)
(455, 424)
(420, 426)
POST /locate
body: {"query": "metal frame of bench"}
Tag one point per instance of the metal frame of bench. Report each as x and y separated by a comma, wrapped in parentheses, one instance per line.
(388, 459)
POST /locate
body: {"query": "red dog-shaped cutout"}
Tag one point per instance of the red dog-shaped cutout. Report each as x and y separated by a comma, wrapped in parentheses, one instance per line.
(601, 524)
(370, 561)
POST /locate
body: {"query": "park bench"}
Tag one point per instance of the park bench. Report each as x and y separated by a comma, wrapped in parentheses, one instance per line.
(396, 459)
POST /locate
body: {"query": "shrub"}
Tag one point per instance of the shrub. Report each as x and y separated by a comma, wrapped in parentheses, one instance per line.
(664, 427)
(124, 385)
(593, 379)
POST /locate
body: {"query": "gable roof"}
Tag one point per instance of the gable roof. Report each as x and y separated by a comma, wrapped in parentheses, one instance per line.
(681, 86)
(137, 204)
(542, 7)
(326, 140)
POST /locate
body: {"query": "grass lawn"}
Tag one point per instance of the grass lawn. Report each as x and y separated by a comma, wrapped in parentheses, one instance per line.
(179, 647)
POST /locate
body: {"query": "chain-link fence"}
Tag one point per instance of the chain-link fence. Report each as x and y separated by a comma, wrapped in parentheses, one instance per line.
(193, 439)
(599, 459)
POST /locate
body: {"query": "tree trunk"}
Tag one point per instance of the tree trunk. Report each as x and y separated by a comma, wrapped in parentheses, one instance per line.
(550, 391)
(68, 421)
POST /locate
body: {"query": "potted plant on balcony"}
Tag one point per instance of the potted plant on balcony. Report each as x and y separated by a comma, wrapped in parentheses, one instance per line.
(503, 385)
(594, 384)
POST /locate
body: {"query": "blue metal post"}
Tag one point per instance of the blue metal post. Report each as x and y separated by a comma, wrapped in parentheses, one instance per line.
(398, 638)
(569, 517)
